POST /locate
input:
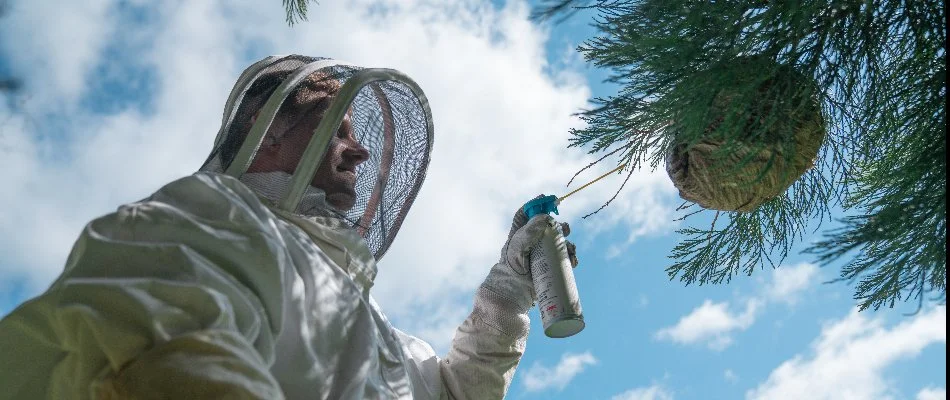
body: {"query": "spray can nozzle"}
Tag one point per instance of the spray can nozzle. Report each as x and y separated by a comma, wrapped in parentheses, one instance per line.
(541, 205)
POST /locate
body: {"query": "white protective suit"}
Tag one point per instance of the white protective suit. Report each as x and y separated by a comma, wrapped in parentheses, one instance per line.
(208, 289)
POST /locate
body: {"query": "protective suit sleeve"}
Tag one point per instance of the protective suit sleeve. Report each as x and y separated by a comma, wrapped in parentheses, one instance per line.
(489, 344)
(176, 296)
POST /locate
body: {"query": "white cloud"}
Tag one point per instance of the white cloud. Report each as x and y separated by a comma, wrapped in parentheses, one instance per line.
(932, 393)
(654, 392)
(436, 322)
(63, 51)
(711, 323)
(848, 359)
(502, 115)
(539, 377)
(714, 323)
(647, 210)
(789, 281)
(730, 376)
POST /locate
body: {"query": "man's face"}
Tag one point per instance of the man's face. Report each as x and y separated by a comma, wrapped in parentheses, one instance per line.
(336, 174)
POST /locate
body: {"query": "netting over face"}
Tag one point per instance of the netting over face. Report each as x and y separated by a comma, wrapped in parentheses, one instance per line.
(387, 118)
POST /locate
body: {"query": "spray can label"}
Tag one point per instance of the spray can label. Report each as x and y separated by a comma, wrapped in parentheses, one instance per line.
(553, 276)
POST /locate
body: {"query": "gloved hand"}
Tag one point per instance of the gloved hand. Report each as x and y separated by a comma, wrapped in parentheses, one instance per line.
(524, 235)
(508, 294)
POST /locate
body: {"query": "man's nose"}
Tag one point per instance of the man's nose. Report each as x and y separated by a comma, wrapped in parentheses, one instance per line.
(355, 152)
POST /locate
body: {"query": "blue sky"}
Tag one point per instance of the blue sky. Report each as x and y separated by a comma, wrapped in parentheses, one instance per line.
(123, 96)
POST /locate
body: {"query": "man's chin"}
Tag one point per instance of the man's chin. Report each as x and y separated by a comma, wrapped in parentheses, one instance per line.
(341, 201)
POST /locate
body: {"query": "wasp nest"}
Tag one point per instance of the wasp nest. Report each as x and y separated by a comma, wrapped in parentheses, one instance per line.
(753, 149)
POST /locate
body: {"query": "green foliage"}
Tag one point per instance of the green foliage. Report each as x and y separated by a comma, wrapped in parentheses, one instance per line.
(296, 10)
(880, 67)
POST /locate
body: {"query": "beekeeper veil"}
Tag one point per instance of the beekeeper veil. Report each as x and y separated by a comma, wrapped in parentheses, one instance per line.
(390, 118)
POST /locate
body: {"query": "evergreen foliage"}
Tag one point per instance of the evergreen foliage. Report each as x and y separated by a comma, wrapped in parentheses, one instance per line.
(296, 10)
(879, 73)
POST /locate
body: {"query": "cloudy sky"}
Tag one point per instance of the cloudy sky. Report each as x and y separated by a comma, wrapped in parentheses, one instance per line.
(121, 97)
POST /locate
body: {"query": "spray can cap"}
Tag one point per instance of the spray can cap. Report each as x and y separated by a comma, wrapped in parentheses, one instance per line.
(541, 205)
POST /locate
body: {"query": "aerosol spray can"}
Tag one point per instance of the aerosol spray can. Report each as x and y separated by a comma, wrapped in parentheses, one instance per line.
(553, 276)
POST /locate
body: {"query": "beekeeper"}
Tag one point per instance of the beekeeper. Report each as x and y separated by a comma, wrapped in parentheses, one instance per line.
(250, 279)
